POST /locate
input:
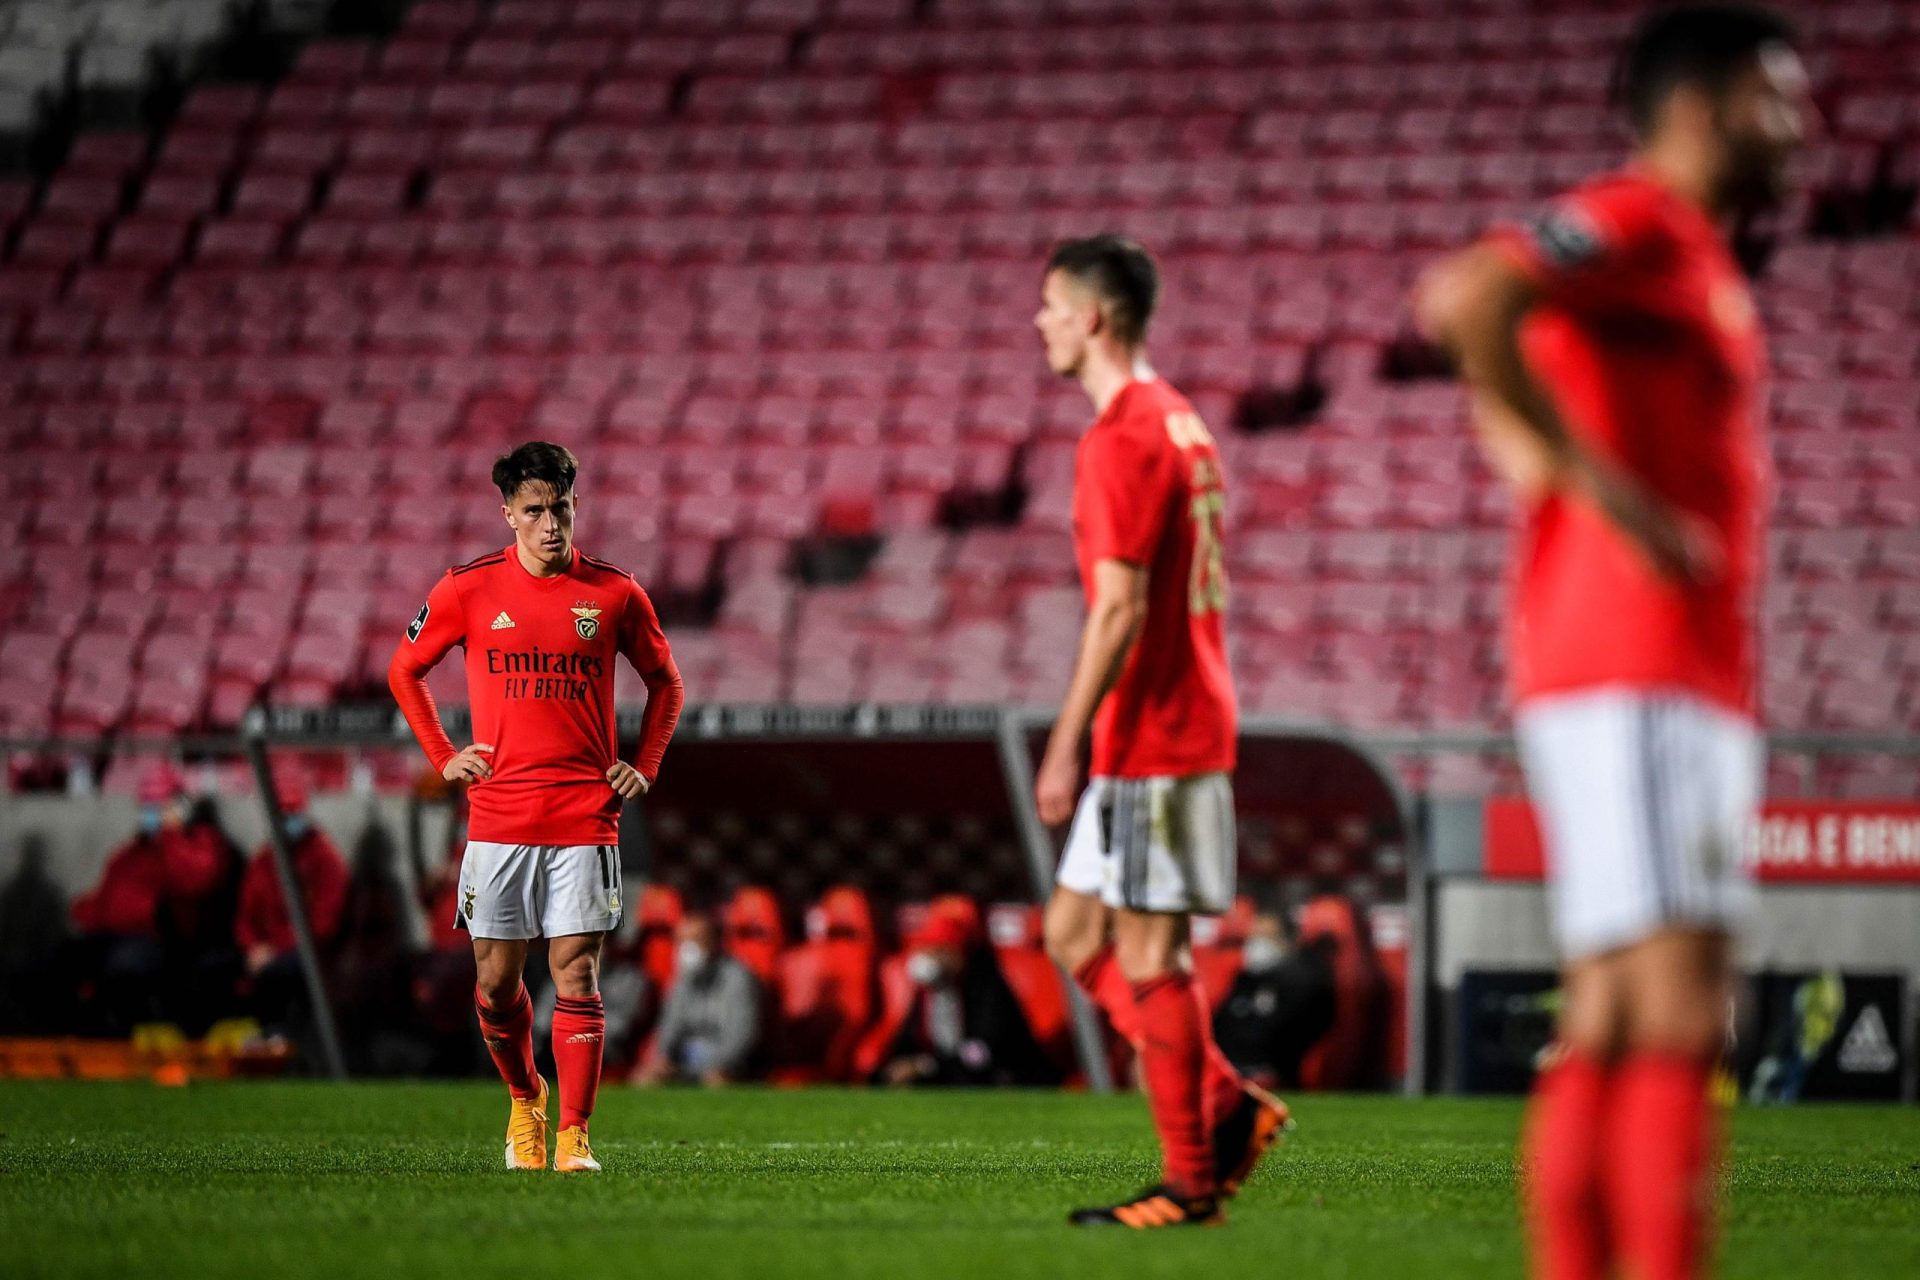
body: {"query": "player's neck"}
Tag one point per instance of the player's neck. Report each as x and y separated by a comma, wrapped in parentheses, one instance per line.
(539, 568)
(1106, 374)
(1680, 168)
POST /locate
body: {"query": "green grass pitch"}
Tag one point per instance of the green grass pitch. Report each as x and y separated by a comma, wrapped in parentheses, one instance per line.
(251, 1180)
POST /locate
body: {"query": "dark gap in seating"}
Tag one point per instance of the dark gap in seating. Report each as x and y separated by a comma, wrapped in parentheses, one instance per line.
(963, 507)
(1754, 244)
(1410, 357)
(681, 91)
(419, 187)
(833, 559)
(1881, 205)
(800, 46)
(366, 17)
(1284, 408)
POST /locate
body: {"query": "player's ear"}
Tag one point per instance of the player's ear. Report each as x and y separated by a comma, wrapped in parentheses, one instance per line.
(1689, 108)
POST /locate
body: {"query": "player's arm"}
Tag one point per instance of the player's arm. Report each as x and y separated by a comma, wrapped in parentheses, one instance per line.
(1124, 483)
(644, 646)
(1112, 628)
(435, 630)
(1473, 304)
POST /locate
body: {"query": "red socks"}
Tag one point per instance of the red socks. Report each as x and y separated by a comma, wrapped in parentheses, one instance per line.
(579, 1036)
(1661, 1140)
(1223, 1086)
(1561, 1149)
(1619, 1166)
(509, 1036)
(1107, 987)
(1173, 1060)
(1104, 984)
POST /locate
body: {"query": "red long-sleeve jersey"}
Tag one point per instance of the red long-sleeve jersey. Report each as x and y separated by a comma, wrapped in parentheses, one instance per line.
(539, 657)
(263, 919)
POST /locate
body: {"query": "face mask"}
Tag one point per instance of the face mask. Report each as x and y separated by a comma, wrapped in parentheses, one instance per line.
(923, 968)
(298, 824)
(149, 819)
(1260, 955)
(690, 956)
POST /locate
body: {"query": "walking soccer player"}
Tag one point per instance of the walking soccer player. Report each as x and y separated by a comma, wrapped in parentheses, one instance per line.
(541, 623)
(1152, 841)
(1613, 354)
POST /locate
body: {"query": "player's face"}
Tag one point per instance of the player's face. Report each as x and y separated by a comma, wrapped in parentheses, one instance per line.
(1763, 122)
(542, 522)
(1066, 321)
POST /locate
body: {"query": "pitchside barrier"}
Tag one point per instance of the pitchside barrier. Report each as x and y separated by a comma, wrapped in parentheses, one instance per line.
(909, 801)
(903, 801)
(1830, 999)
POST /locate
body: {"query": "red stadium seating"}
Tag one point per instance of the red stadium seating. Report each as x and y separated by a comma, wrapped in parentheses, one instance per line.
(806, 269)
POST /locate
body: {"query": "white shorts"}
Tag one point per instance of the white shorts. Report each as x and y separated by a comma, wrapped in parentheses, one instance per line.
(1154, 844)
(538, 890)
(1645, 802)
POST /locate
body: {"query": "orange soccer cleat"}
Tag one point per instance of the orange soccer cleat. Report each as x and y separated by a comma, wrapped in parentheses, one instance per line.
(1247, 1133)
(571, 1154)
(1155, 1207)
(527, 1131)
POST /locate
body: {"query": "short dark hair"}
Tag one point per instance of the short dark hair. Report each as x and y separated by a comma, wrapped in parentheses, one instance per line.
(551, 464)
(1706, 45)
(1121, 273)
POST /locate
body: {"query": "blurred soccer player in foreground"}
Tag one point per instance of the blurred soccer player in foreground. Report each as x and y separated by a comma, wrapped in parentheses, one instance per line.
(1152, 841)
(541, 623)
(1613, 353)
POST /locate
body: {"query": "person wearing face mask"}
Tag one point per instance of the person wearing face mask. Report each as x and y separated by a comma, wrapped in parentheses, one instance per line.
(711, 1025)
(964, 1025)
(263, 928)
(1280, 1005)
(128, 920)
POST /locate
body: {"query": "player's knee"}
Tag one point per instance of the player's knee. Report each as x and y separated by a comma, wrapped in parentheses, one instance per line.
(1070, 941)
(498, 987)
(577, 977)
(1142, 959)
(1589, 1027)
(1694, 1029)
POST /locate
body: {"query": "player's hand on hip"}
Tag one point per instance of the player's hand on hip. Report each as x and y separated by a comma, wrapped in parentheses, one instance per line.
(1680, 547)
(1056, 788)
(470, 764)
(628, 782)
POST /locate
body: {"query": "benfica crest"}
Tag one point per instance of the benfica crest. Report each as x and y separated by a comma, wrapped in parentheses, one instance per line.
(586, 621)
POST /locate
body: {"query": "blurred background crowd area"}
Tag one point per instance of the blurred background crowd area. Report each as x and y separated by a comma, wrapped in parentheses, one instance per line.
(184, 934)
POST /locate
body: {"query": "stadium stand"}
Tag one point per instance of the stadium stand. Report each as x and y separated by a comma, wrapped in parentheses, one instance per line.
(109, 61)
(768, 266)
(762, 262)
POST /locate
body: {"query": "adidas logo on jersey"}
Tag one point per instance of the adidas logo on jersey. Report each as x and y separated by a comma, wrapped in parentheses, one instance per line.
(502, 622)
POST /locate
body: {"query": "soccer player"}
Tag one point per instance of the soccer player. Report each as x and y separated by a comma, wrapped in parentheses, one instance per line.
(1152, 840)
(541, 623)
(1613, 354)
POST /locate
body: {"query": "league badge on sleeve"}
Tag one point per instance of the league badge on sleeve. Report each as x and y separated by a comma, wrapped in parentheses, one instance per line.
(1565, 237)
(419, 621)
